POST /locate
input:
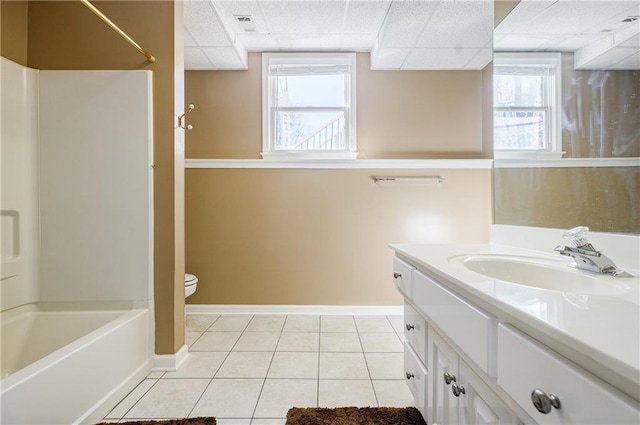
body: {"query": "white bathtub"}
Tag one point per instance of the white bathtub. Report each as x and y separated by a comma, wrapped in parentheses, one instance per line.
(65, 363)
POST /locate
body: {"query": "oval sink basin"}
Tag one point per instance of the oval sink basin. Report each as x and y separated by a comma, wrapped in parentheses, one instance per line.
(522, 271)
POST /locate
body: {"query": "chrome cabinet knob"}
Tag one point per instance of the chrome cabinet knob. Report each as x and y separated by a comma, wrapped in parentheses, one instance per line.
(396, 275)
(409, 326)
(457, 389)
(543, 402)
(449, 378)
(409, 375)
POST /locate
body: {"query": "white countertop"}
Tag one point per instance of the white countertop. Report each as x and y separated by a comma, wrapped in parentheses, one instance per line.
(601, 333)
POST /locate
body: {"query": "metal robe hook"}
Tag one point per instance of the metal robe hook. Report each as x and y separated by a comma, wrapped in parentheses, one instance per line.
(181, 119)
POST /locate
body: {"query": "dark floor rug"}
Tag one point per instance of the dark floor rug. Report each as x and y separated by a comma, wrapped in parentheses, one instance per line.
(186, 421)
(355, 416)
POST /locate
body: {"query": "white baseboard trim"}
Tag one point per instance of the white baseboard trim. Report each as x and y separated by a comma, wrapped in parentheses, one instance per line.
(170, 362)
(349, 310)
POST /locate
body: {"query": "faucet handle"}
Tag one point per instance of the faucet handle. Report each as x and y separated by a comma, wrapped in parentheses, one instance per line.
(578, 237)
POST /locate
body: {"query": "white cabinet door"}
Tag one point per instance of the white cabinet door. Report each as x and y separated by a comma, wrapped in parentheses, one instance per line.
(456, 394)
(415, 331)
(442, 406)
(417, 377)
(479, 405)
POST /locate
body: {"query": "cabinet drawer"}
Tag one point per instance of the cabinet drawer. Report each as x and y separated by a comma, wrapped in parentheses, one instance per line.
(416, 378)
(467, 326)
(525, 365)
(415, 331)
(403, 276)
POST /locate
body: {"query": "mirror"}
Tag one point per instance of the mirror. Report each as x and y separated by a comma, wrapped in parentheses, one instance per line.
(567, 115)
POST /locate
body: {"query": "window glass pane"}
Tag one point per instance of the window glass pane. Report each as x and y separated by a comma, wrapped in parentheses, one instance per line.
(310, 90)
(519, 130)
(309, 130)
(518, 90)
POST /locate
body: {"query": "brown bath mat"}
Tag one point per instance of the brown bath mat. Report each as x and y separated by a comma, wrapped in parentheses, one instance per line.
(186, 421)
(355, 416)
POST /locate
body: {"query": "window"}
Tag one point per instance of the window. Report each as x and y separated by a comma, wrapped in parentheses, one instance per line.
(308, 106)
(526, 105)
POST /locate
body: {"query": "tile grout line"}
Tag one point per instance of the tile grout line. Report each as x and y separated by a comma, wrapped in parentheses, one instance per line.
(221, 363)
(319, 354)
(273, 354)
(375, 395)
(137, 401)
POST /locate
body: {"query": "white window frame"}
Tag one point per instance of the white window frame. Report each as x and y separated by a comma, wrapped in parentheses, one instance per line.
(552, 98)
(268, 115)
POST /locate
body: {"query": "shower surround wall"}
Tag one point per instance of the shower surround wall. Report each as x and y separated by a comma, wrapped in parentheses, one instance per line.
(76, 186)
(95, 163)
(20, 185)
(76, 240)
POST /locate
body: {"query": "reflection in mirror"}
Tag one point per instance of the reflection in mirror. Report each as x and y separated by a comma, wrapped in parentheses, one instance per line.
(567, 130)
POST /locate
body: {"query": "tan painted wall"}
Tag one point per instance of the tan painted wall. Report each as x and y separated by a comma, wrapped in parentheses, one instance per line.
(66, 35)
(400, 114)
(14, 31)
(605, 199)
(309, 236)
(319, 237)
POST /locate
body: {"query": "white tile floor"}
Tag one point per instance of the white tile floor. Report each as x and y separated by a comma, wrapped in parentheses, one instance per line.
(249, 370)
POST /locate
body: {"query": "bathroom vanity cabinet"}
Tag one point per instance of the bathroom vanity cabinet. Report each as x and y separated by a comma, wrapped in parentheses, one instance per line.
(467, 364)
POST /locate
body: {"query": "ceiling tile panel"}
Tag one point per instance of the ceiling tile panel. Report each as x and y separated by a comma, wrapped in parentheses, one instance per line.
(194, 58)
(258, 42)
(570, 43)
(224, 58)
(405, 22)
(631, 62)
(482, 58)
(633, 41)
(432, 58)
(565, 16)
(585, 15)
(610, 58)
(188, 40)
(459, 24)
(203, 24)
(388, 57)
(520, 19)
(365, 17)
(300, 17)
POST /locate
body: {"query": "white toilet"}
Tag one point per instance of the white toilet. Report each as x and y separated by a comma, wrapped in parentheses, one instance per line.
(190, 284)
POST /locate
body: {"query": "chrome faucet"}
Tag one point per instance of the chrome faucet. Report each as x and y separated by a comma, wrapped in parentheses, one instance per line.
(585, 256)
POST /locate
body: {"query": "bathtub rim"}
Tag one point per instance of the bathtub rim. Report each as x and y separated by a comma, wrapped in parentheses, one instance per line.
(51, 359)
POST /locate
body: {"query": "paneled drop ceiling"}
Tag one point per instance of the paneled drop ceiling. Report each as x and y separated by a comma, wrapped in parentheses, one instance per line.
(604, 34)
(400, 34)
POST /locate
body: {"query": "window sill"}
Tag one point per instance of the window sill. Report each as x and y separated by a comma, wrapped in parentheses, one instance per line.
(308, 156)
(527, 155)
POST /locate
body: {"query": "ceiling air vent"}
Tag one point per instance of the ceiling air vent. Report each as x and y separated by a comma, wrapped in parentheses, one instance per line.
(245, 22)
